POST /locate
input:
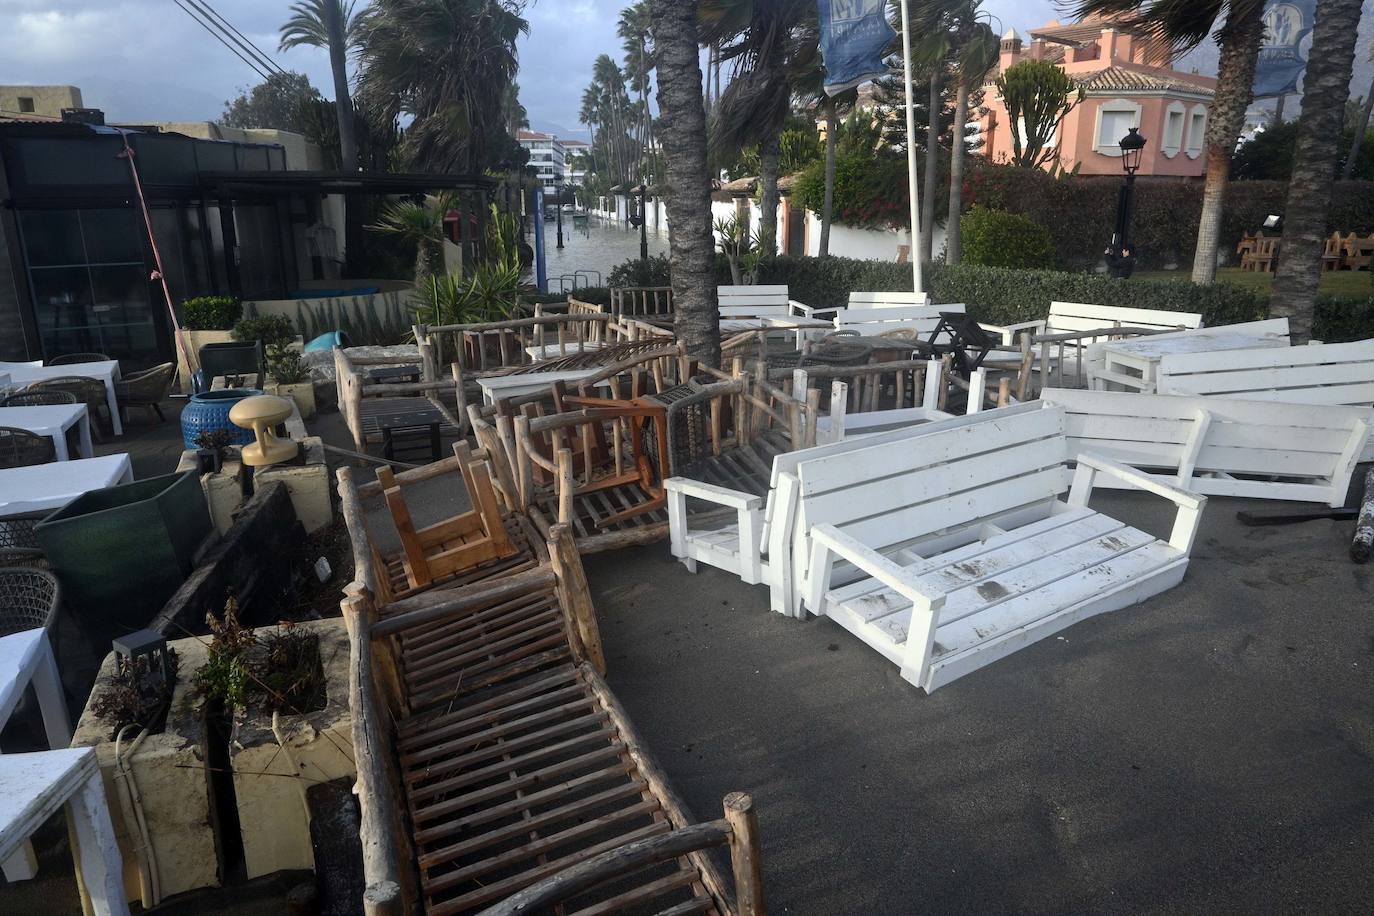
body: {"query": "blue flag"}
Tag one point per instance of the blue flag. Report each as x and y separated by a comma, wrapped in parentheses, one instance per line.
(854, 35)
(1282, 56)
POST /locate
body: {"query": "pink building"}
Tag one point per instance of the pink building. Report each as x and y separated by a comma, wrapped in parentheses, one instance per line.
(1129, 81)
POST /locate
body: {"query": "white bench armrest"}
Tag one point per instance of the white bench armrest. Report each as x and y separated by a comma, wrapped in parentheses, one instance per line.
(1189, 503)
(828, 542)
(749, 523)
(1009, 331)
(803, 310)
(724, 496)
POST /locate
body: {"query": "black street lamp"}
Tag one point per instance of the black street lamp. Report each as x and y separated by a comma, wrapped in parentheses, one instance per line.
(558, 185)
(1120, 254)
(643, 192)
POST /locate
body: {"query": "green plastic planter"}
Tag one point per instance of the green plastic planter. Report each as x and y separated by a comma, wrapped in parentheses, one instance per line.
(122, 551)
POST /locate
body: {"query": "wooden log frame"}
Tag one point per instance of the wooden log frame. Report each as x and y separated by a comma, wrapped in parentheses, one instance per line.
(630, 301)
(516, 764)
(476, 544)
(352, 388)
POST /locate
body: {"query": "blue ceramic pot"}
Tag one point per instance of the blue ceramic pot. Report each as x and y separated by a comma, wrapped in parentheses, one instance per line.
(210, 410)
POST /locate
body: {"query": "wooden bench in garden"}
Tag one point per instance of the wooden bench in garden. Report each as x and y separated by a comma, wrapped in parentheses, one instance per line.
(953, 549)
(1221, 446)
(756, 302)
(498, 773)
(1341, 374)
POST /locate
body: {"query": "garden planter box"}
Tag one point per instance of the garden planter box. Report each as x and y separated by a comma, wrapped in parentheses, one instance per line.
(195, 340)
(315, 747)
(234, 357)
(303, 393)
(170, 772)
(121, 552)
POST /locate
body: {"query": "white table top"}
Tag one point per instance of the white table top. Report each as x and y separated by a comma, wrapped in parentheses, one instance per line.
(44, 419)
(33, 786)
(51, 486)
(106, 370)
(1201, 342)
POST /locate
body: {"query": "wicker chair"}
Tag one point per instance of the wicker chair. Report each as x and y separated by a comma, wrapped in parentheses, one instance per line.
(146, 389)
(38, 399)
(71, 359)
(20, 448)
(17, 531)
(27, 557)
(88, 391)
(29, 599)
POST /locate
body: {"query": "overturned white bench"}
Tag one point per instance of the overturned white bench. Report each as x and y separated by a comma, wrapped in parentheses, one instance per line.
(1336, 374)
(950, 550)
(1221, 446)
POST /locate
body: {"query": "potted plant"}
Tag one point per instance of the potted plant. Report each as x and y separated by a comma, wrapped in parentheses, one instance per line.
(290, 378)
(205, 320)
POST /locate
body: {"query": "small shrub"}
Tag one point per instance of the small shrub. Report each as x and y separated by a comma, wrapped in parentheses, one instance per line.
(211, 313)
(654, 272)
(225, 676)
(217, 440)
(288, 674)
(286, 366)
(272, 330)
(137, 696)
(996, 238)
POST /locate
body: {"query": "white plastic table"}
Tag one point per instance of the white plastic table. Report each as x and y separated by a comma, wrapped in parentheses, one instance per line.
(509, 386)
(33, 787)
(53, 421)
(106, 371)
(51, 486)
(26, 658)
(1133, 365)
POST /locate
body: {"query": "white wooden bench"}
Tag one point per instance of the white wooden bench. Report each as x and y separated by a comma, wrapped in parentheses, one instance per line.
(918, 319)
(757, 302)
(957, 550)
(1074, 325)
(1133, 364)
(1341, 374)
(860, 299)
(1221, 446)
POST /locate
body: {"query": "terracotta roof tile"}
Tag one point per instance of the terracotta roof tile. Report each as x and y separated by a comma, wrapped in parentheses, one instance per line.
(1120, 79)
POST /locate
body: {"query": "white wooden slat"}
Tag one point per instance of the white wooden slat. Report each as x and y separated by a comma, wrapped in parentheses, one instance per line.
(754, 310)
(902, 523)
(1071, 581)
(944, 441)
(865, 299)
(1315, 354)
(1129, 429)
(1089, 316)
(1276, 378)
(1183, 407)
(1249, 489)
(1358, 395)
(913, 487)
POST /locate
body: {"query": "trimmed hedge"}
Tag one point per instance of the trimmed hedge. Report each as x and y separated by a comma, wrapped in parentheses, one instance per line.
(997, 238)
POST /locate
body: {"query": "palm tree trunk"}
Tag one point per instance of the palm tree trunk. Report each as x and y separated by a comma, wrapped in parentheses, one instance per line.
(1325, 90)
(932, 163)
(953, 240)
(828, 206)
(691, 246)
(348, 143)
(1361, 127)
(1240, 41)
(768, 196)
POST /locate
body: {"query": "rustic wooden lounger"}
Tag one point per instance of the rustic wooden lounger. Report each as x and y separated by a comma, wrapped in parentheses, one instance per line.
(950, 550)
(492, 756)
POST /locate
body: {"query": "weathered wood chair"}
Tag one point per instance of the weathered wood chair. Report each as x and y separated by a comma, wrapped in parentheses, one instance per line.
(950, 550)
(1359, 252)
(1261, 256)
(640, 301)
(1221, 446)
(492, 757)
(361, 400)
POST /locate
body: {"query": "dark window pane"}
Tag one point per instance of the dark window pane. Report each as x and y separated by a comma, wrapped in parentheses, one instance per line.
(52, 237)
(165, 160)
(112, 236)
(214, 156)
(253, 159)
(71, 162)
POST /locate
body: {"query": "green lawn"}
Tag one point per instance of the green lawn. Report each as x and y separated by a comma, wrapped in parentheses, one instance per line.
(1336, 282)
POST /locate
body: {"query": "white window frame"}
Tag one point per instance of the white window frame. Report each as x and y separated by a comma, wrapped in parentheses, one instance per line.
(1114, 106)
(1196, 136)
(1171, 145)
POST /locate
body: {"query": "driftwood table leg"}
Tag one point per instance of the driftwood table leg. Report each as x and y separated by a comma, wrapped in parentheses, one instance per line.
(1363, 544)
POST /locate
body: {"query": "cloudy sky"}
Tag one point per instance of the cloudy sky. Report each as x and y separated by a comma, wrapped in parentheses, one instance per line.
(146, 60)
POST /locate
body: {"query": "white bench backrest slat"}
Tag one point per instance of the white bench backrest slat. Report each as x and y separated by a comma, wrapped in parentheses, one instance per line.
(920, 318)
(882, 300)
(751, 295)
(1083, 316)
(755, 311)
(1317, 374)
(958, 471)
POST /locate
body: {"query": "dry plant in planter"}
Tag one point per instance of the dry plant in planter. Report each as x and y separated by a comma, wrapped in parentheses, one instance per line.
(138, 696)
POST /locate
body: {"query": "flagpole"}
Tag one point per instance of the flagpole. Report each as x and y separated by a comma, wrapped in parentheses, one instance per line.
(915, 193)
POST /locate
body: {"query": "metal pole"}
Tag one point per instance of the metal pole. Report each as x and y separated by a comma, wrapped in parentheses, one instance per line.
(643, 225)
(541, 271)
(911, 157)
(559, 216)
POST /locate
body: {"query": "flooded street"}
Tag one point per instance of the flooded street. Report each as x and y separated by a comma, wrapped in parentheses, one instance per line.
(597, 248)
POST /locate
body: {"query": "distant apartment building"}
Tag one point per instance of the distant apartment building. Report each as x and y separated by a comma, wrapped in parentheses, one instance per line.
(547, 157)
(573, 171)
(1128, 81)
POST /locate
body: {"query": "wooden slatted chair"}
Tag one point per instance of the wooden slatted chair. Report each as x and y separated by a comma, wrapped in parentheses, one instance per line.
(948, 551)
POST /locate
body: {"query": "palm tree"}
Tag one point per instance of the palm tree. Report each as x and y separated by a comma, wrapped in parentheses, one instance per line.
(418, 223)
(1185, 24)
(639, 63)
(809, 87)
(976, 55)
(1361, 127)
(762, 37)
(1325, 90)
(332, 25)
(446, 64)
(682, 133)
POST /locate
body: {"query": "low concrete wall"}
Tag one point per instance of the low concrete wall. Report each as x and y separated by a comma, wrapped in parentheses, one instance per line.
(383, 316)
